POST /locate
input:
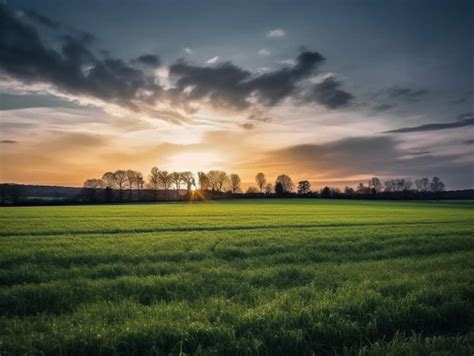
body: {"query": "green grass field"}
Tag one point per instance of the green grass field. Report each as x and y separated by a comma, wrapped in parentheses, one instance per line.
(239, 277)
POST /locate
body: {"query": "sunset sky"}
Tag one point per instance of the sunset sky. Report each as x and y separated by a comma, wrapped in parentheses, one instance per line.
(330, 91)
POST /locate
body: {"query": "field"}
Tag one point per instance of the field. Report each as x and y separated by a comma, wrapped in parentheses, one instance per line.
(239, 277)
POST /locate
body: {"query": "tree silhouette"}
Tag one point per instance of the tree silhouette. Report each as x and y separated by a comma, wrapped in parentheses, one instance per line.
(326, 192)
(437, 185)
(154, 180)
(252, 190)
(120, 178)
(164, 178)
(176, 179)
(423, 184)
(131, 179)
(304, 187)
(261, 181)
(286, 183)
(268, 188)
(235, 183)
(375, 185)
(188, 180)
(217, 180)
(203, 181)
(109, 179)
(92, 185)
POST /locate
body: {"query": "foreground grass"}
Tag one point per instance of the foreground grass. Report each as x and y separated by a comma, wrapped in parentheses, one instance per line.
(240, 277)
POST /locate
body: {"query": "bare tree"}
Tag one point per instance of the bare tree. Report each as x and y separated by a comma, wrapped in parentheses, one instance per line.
(120, 177)
(109, 179)
(165, 181)
(261, 181)
(94, 183)
(407, 185)
(131, 178)
(154, 181)
(91, 186)
(362, 189)
(304, 187)
(348, 190)
(375, 184)
(140, 182)
(188, 179)
(217, 180)
(176, 179)
(389, 185)
(423, 184)
(285, 182)
(203, 181)
(269, 188)
(235, 183)
(252, 190)
(437, 185)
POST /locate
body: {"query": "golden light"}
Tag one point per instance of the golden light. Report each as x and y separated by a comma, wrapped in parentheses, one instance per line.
(194, 161)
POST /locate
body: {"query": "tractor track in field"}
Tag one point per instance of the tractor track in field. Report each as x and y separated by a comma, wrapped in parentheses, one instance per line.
(223, 228)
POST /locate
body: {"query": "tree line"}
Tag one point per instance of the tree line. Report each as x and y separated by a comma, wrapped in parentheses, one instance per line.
(165, 185)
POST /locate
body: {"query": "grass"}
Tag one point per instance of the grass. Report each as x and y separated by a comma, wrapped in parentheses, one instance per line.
(239, 277)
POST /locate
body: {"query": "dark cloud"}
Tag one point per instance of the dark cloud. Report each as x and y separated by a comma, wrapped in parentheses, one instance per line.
(466, 115)
(383, 107)
(231, 86)
(418, 153)
(151, 60)
(260, 118)
(330, 94)
(8, 142)
(407, 94)
(74, 68)
(469, 142)
(71, 66)
(12, 101)
(378, 156)
(40, 19)
(434, 127)
(16, 125)
(221, 84)
(247, 126)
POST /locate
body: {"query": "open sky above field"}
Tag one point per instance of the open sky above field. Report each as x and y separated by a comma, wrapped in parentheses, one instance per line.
(328, 91)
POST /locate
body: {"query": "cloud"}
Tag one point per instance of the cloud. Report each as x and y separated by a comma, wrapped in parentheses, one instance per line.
(329, 94)
(407, 94)
(276, 33)
(264, 52)
(40, 19)
(383, 107)
(469, 142)
(233, 87)
(257, 117)
(8, 142)
(150, 60)
(71, 69)
(247, 126)
(367, 156)
(213, 60)
(435, 127)
(188, 50)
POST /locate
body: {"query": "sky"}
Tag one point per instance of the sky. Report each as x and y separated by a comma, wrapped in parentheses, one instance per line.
(334, 92)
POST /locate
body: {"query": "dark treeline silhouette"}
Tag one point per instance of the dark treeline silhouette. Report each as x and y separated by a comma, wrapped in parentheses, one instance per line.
(161, 185)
